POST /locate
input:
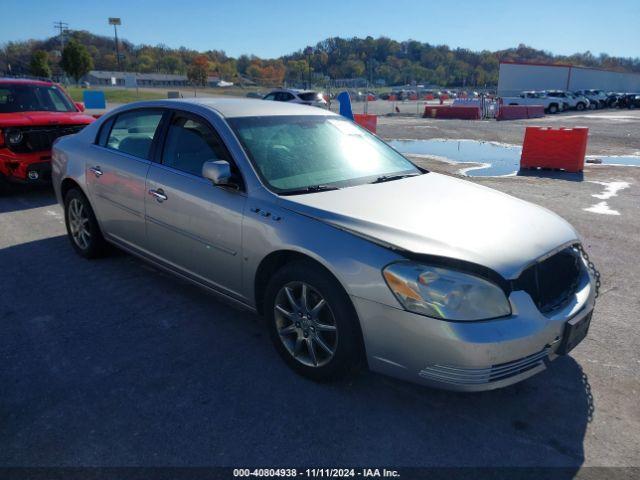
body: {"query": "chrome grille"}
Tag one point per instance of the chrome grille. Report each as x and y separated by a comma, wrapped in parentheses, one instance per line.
(478, 376)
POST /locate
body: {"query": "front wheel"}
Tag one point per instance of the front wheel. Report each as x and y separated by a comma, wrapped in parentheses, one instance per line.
(312, 322)
(553, 109)
(82, 227)
(580, 106)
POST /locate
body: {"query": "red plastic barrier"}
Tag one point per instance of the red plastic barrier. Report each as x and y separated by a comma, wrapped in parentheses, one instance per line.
(370, 122)
(512, 112)
(516, 112)
(413, 96)
(392, 98)
(461, 113)
(444, 96)
(535, 111)
(429, 97)
(370, 98)
(547, 147)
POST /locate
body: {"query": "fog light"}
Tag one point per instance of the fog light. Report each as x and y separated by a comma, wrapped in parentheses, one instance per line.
(33, 175)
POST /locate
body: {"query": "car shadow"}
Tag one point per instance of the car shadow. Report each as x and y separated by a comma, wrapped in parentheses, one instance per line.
(19, 197)
(554, 174)
(112, 362)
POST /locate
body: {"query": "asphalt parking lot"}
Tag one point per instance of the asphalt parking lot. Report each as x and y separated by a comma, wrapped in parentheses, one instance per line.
(112, 362)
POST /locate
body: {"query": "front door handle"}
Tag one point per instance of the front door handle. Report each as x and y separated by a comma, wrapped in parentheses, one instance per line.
(158, 194)
(96, 171)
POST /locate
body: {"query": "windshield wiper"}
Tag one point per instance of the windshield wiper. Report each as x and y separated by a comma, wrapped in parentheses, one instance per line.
(388, 178)
(309, 189)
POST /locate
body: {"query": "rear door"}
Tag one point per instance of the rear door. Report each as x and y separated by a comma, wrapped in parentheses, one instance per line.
(192, 225)
(117, 170)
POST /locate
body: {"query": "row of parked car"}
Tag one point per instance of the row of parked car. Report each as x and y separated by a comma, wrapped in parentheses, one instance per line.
(555, 101)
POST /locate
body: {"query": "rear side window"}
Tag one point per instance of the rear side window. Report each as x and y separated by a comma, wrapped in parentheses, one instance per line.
(105, 129)
(133, 132)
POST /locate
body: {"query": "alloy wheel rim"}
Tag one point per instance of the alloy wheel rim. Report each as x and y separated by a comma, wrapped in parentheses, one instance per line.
(305, 324)
(79, 224)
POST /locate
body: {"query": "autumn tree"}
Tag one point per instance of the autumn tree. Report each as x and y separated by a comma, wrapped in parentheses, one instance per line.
(39, 65)
(76, 61)
(198, 71)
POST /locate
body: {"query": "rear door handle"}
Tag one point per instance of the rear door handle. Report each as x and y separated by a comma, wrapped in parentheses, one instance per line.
(96, 171)
(158, 194)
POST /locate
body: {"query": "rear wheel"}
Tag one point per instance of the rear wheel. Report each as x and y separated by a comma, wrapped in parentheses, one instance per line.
(82, 227)
(580, 106)
(312, 322)
(553, 108)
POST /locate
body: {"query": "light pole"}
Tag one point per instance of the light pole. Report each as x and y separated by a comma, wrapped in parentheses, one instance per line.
(308, 52)
(115, 21)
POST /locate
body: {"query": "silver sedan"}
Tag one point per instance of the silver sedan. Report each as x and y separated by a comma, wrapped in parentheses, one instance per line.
(354, 255)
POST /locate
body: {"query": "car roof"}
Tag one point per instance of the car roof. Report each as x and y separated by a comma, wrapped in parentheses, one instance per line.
(25, 81)
(292, 90)
(245, 107)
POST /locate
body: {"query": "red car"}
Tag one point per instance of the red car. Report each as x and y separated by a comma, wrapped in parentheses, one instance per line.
(33, 113)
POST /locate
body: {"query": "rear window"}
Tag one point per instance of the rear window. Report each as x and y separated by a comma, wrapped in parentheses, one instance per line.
(309, 96)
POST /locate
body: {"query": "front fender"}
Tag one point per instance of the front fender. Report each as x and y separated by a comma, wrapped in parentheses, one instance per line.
(354, 261)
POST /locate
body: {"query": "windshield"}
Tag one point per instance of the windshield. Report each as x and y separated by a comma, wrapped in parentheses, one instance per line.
(298, 152)
(33, 98)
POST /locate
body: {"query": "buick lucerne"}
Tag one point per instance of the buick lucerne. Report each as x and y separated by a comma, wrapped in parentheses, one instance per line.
(354, 255)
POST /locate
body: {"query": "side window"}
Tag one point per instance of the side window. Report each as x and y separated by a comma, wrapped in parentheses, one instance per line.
(287, 97)
(271, 96)
(133, 132)
(190, 143)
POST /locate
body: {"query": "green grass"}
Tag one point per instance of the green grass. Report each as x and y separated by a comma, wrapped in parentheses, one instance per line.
(114, 95)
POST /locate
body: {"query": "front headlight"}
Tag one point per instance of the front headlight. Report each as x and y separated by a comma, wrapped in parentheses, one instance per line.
(13, 137)
(446, 294)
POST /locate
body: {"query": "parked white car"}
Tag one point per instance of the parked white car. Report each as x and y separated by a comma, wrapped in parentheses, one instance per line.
(571, 100)
(597, 98)
(305, 97)
(550, 104)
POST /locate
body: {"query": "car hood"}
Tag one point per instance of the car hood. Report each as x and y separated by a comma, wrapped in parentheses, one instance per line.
(440, 215)
(28, 119)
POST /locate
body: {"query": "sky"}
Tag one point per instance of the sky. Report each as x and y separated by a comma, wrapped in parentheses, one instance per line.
(273, 28)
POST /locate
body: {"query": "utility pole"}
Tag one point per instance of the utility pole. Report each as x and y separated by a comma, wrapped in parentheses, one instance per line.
(308, 52)
(63, 28)
(115, 21)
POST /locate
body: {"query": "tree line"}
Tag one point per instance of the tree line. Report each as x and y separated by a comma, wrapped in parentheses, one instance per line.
(380, 61)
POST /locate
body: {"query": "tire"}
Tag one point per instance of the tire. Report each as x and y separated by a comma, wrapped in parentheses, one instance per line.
(78, 211)
(5, 186)
(293, 328)
(553, 109)
(580, 106)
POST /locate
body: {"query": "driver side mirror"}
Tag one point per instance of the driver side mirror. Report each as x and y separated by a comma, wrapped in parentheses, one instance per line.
(80, 106)
(218, 171)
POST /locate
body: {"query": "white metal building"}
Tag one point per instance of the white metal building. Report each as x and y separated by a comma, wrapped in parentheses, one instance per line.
(516, 77)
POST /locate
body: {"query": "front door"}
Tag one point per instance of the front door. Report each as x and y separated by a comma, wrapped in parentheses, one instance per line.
(193, 225)
(116, 174)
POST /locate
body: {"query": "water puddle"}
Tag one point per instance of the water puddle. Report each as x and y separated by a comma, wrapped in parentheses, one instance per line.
(496, 159)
